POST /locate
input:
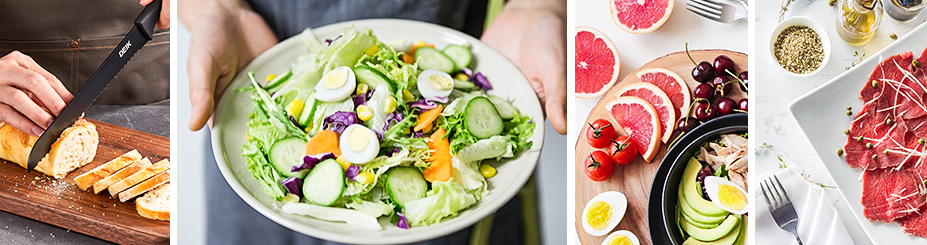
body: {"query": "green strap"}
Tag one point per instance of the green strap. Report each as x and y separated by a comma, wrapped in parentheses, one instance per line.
(492, 10)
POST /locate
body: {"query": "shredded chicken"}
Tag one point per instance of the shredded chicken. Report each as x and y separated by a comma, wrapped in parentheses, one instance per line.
(731, 151)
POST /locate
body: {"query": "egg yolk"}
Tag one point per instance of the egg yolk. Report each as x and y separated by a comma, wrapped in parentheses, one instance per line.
(600, 213)
(731, 197)
(440, 83)
(359, 140)
(620, 240)
(335, 79)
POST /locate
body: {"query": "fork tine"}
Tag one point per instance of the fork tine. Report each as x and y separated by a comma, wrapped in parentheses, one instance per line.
(702, 13)
(716, 3)
(784, 194)
(766, 197)
(709, 4)
(772, 196)
(776, 189)
(715, 10)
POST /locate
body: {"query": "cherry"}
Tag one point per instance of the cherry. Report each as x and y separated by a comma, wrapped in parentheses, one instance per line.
(726, 106)
(705, 112)
(721, 85)
(703, 72)
(686, 124)
(743, 77)
(722, 62)
(704, 91)
(742, 105)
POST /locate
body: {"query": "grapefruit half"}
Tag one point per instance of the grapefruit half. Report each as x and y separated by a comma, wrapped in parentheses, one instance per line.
(660, 102)
(640, 121)
(671, 84)
(640, 16)
(597, 63)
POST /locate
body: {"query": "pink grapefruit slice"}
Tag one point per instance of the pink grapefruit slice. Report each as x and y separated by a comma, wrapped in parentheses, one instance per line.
(640, 121)
(641, 16)
(671, 84)
(597, 63)
(655, 96)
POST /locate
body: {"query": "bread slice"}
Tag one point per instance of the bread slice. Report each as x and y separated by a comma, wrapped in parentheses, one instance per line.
(75, 148)
(145, 186)
(155, 204)
(142, 175)
(87, 179)
(122, 174)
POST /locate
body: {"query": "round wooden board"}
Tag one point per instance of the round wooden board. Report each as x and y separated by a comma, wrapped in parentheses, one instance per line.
(634, 179)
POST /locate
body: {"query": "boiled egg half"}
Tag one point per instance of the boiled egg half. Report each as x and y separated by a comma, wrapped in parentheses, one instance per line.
(401, 45)
(603, 212)
(435, 83)
(622, 237)
(726, 195)
(336, 85)
(358, 144)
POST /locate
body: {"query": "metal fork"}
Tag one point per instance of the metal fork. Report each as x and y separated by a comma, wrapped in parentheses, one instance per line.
(780, 206)
(717, 11)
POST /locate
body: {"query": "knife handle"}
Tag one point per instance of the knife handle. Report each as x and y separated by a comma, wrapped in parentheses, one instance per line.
(148, 18)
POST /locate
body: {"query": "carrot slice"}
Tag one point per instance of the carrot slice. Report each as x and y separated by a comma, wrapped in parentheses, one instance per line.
(324, 142)
(407, 58)
(426, 118)
(419, 44)
(440, 168)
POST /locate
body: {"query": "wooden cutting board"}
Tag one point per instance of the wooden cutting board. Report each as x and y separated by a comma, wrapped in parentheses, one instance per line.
(634, 179)
(61, 203)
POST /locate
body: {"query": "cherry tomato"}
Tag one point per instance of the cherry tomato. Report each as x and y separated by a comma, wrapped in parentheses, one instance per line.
(622, 151)
(598, 166)
(600, 133)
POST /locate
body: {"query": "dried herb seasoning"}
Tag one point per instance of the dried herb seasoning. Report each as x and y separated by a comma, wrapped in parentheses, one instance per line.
(798, 49)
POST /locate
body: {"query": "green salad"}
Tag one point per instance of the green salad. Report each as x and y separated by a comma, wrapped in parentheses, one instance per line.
(359, 129)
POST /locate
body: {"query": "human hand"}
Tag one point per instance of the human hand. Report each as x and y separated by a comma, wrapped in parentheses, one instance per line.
(219, 47)
(164, 21)
(25, 89)
(534, 38)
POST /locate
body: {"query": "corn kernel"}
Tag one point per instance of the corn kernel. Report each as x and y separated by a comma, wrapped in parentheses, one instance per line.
(271, 77)
(362, 88)
(308, 128)
(372, 50)
(487, 171)
(406, 130)
(295, 108)
(390, 105)
(407, 96)
(364, 113)
(344, 163)
(364, 178)
(461, 76)
(290, 198)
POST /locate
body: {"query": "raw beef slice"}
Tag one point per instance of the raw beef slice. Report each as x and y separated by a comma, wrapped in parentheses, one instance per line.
(890, 194)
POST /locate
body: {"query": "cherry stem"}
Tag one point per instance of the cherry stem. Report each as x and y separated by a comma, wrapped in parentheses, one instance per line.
(736, 79)
(690, 56)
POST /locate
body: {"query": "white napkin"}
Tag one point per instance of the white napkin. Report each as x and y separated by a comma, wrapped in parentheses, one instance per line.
(818, 222)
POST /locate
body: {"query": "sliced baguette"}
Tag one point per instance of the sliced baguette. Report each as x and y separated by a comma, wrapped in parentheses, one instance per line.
(87, 179)
(140, 176)
(155, 204)
(122, 174)
(75, 148)
(145, 186)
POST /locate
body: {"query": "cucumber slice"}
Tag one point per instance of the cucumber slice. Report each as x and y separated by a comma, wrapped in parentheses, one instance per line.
(465, 86)
(310, 104)
(272, 85)
(371, 77)
(405, 184)
(506, 109)
(287, 153)
(459, 54)
(429, 58)
(324, 184)
(482, 118)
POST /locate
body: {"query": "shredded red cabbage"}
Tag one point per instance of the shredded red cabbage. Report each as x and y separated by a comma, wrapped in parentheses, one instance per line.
(478, 79)
(428, 103)
(361, 99)
(339, 121)
(392, 118)
(309, 161)
(293, 185)
(702, 174)
(329, 41)
(394, 151)
(293, 120)
(352, 172)
(403, 222)
(418, 134)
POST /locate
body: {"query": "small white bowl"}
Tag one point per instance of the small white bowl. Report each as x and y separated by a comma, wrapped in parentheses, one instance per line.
(801, 21)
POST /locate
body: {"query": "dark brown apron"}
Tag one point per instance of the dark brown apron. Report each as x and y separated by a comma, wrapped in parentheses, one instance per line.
(71, 39)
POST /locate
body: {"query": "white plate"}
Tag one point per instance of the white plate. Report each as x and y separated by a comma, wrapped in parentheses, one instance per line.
(228, 133)
(821, 116)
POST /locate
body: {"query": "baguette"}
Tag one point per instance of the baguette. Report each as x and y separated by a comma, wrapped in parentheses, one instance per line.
(140, 176)
(145, 186)
(119, 176)
(76, 147)
(87, 179)
(155, 204)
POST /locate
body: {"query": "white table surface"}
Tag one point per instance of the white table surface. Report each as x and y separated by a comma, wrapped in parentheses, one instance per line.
(635, 50)
(774, 125)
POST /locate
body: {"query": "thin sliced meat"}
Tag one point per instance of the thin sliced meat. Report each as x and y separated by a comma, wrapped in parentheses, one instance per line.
(915, 224)
(890, 194)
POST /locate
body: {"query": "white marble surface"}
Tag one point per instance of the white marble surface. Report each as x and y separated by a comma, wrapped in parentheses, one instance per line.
(776, 89)
(635, 50)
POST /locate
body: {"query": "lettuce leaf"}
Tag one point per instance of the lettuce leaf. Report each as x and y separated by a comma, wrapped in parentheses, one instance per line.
(494, 147)
(444, 200)
(467, 175)
(375, 208)
(357, 219)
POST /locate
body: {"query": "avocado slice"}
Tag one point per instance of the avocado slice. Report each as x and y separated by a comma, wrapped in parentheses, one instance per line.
(743, 232)
(692, 193)
(707, 235)
(729, 239)
(697, 217)
(699, 224)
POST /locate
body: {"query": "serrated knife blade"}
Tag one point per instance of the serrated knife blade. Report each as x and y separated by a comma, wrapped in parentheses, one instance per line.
(140, 34)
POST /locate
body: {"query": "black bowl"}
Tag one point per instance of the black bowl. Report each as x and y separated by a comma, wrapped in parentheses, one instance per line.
(663, 191)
